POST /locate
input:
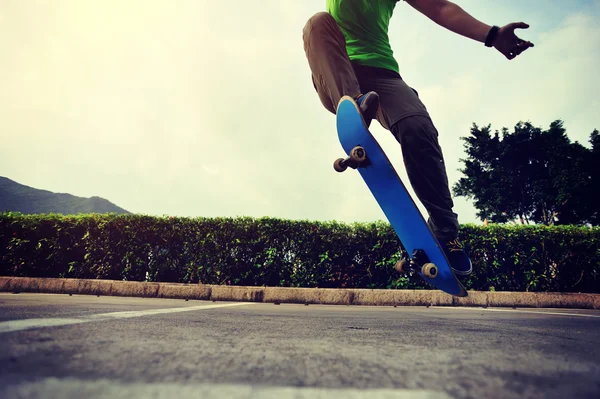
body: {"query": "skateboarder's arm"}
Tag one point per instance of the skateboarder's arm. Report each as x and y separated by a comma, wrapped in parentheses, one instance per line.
(452, 17)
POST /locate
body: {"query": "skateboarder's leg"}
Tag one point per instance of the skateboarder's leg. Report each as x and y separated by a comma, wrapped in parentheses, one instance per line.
(426, 171)
(325, 48)
(332, 72)
(403, 113)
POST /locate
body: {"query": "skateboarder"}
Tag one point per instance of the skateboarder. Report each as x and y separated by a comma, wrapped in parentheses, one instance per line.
(349, 53)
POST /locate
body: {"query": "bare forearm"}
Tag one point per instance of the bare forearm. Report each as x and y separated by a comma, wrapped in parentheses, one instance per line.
(453, 17)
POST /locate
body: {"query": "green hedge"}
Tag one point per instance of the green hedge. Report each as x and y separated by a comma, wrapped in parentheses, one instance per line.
(275, 252)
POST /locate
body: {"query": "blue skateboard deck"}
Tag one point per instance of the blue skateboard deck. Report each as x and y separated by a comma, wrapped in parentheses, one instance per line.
(392, 196)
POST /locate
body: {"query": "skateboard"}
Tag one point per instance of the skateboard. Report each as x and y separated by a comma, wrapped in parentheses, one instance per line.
(423, 252)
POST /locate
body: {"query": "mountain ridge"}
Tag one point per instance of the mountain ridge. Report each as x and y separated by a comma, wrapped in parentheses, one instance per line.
(17, 197)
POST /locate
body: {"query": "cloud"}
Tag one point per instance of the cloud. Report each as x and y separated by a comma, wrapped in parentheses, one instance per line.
(200, 108)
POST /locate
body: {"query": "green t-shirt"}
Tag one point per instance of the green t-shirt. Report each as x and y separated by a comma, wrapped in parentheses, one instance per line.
(365, 27)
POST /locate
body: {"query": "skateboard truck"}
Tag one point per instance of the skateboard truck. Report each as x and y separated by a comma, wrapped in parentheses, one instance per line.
(417, 262)
(358, 157)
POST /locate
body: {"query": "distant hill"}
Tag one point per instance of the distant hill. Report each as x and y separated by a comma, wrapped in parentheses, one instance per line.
(19, 198)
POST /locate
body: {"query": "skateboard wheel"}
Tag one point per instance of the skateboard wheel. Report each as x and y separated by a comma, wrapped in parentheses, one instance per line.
(358, 154)
(429, 270)
(401, 266)
(339, 165)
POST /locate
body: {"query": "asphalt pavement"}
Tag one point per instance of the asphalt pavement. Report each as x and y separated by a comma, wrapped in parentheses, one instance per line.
(61, 346)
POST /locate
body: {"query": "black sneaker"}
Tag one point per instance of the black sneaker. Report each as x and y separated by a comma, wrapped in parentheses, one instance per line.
(459, 261)
(369, 103)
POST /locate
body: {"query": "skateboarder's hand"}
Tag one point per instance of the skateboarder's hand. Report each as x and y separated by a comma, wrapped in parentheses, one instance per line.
(508, 43)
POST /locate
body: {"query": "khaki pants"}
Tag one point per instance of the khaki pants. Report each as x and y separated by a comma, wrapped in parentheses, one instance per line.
(401, 112)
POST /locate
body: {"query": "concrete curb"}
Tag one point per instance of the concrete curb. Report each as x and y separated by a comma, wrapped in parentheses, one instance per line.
(323, 296)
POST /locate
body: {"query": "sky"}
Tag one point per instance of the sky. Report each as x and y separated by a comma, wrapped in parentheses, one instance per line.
(206, 108)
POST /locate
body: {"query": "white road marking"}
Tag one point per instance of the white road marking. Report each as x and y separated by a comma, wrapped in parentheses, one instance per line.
(138, 313)
(102, 389)
(26, 324)
(518, 311)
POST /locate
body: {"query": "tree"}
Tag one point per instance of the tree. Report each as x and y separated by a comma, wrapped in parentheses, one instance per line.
(531, 175)
(592, 196)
